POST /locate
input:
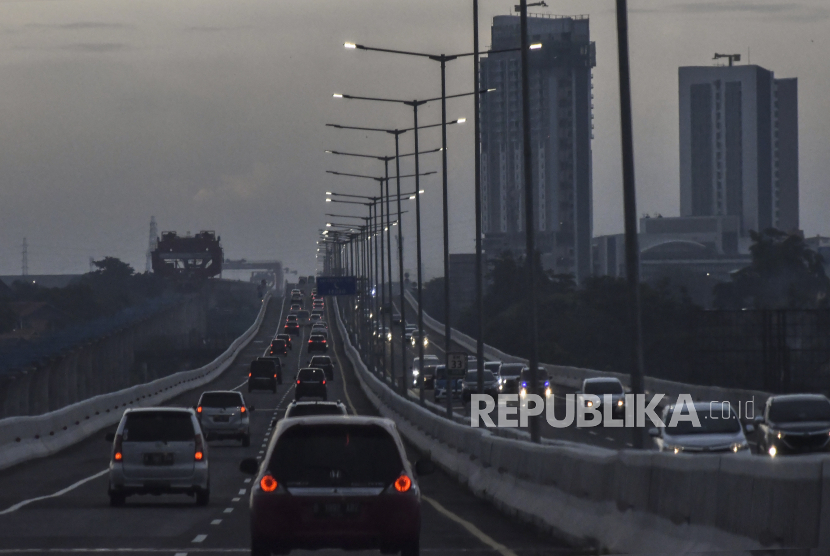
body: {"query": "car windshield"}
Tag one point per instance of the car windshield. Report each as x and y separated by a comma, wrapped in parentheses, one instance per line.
(600, 387)
(311, 375)
(221, 399)
(291, 318)
(335, 455)
(306, 410)
(492, 366)
(540, 375)
(317, 338)
(511, 370)
(793, 411)
(158, 426)
(711, 422)
(472, 376)
(320, 360)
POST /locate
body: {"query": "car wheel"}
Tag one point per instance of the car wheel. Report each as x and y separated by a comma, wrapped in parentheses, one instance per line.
(246, 440)
(117, 499)
(203, 497)
(412, 549)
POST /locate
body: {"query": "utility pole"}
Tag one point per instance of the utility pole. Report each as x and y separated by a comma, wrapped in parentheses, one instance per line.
(25, 258)
(151, 244)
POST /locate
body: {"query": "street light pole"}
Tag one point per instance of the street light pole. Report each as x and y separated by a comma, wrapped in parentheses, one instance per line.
(632, 248)
(530, 249)
(400, 264)
(479, 262)
(421, 392)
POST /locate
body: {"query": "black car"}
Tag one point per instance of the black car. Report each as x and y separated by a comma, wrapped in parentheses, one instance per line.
(323, 362)
(263, 375)
(287, 338)
(795, 424)
(542, 382)
(311, 383)
(278, 347)
(292, 328)
(470, 384)
(509, 377)
(277, 363)
(317, 342)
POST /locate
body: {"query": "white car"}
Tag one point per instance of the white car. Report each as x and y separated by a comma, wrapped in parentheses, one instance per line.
(224, 414)
(429, 361)
(158, 450)
(720, 431)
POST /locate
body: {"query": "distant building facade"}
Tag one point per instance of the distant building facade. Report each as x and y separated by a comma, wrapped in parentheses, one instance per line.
(463, 281)
(561, 134)
(739, 146)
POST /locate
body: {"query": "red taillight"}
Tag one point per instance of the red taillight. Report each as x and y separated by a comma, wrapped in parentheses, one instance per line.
(117, 455)
(275, 376)
(268, 483)
(324, 382)
(200, 448)
(298, 382)
(403, 483)
(249, 375)
(199, 409)
(242, 409)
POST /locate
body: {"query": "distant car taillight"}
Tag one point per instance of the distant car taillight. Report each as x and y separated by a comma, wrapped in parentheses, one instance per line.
(324, 382)
(117, 449)
(268, 483)
(403, 483)
(249, 375)
(242, 409)
(199, 454)
(199, 409)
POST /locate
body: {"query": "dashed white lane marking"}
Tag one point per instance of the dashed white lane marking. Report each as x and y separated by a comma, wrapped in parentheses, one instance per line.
(228, 510)
(181, 554)
(242, 491)
(248, 480)
(235, 499)
(199, 538)
(240, 386)
(61, 492)
(629, 444)
(473, 530)
(216, 522)
(609, 439)
(592, 432)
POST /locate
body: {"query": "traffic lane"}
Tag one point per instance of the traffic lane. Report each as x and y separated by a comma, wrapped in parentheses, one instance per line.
(83, 514)
(440, 534)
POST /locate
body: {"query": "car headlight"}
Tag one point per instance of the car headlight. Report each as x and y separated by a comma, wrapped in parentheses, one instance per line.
(620, 403)
(548, 392)
(772, 451)
(738, 446)
(589, 403)
(415, 372)
(778, 434)
(523, 392)
(389, 337)
(675, 449)
(426, 342)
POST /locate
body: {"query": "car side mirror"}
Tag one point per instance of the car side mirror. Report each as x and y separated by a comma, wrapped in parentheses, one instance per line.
(424, 467)
(749, 428)
(249, 466)
(654, 432)
(109, 437)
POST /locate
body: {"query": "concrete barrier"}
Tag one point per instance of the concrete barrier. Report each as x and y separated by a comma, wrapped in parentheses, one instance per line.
(28, 437)
(625, 501)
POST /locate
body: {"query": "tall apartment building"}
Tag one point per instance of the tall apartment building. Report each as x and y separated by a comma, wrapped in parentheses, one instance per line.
(739, 146)
(561, 124)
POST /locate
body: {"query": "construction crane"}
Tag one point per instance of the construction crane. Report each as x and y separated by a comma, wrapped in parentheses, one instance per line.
(732, 57)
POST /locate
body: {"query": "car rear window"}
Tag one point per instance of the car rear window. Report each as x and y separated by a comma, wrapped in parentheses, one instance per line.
(160, 426)
(317, 338)
(321, 360)
(221, 399)
(335, 455)
(278, 343)
(311, 374)
(261, 369)
(306, 410)
(604, 387)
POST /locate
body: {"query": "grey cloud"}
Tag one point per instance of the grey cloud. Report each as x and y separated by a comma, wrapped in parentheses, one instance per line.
(790, 10)
(80, 25)
(97, 47)
(213, 29)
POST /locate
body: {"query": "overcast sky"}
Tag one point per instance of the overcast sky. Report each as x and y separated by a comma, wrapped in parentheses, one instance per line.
(210, 114)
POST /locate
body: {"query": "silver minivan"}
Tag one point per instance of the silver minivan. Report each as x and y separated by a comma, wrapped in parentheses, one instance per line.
(223, 414)
(720, 431)
(158, 450)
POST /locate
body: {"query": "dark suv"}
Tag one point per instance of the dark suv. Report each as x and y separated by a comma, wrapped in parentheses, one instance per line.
(279, 347)
(470, 385)
(310, 383)
(323, 362)
(795, 424)
(264, 375)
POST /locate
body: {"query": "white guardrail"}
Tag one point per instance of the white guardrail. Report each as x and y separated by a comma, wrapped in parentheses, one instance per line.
(28, 437)
(572, 377)
(625, 500)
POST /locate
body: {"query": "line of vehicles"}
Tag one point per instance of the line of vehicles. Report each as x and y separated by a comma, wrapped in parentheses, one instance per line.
(788, 424)
(327, 479)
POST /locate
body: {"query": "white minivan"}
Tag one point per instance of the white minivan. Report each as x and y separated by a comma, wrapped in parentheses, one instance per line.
(158, 450)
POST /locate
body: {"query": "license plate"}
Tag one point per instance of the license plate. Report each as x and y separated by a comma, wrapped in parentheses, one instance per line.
(221, 418)
(336, 509)
(158, 459)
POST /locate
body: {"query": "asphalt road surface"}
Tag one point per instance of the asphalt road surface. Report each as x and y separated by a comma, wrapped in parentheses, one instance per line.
(59, 504)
